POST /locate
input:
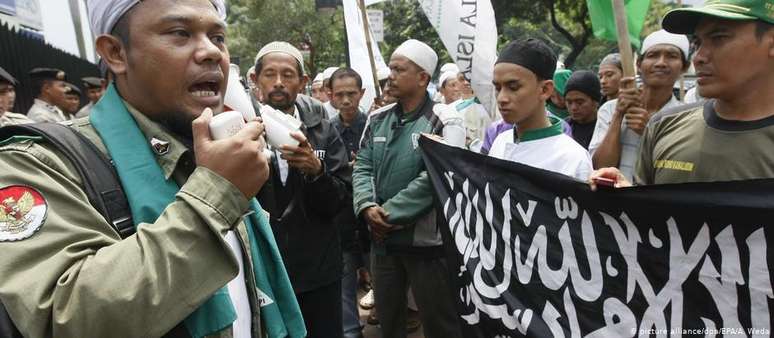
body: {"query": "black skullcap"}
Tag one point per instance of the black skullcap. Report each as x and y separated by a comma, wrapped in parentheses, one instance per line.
(47, 74)
(532, 54)
(92, 82)
(585, 82)
(5, 76)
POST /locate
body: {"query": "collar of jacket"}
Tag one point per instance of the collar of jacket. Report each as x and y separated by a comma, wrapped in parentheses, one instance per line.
(416, 113)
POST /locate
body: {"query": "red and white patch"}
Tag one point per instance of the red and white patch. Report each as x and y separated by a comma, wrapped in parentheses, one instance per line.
(22, 212)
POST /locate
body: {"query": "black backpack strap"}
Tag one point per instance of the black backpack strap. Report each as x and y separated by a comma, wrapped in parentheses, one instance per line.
(100, 181)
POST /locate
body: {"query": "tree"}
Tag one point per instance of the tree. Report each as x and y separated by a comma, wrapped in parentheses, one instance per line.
(403, 20)
(566, 26)
(569, 18)
(252, 24)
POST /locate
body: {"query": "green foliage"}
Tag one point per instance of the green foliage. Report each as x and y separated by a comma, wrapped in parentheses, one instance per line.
(657, 11)
(563, 23)
(572, 16)
(403, 20)
(252, 24)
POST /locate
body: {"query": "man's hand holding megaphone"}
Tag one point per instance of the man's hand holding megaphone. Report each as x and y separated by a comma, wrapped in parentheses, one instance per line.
(302, 157)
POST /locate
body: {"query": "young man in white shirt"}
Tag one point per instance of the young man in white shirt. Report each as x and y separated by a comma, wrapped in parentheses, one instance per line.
(523, 81)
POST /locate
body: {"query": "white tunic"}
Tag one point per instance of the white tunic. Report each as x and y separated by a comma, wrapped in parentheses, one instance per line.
(237, 291)
(548, 149)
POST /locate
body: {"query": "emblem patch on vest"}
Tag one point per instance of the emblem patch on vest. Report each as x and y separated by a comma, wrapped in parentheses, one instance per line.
(22, 212)
(160, 147)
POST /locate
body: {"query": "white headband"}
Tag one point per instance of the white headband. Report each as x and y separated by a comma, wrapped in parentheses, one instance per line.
(104, 14)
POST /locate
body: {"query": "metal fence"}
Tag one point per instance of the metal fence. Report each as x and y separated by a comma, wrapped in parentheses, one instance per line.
(20, 52)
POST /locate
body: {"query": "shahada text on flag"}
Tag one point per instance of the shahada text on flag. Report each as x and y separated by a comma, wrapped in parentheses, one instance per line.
(534, 253)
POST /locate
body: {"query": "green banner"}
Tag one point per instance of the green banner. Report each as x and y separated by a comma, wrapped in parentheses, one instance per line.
(603, 19)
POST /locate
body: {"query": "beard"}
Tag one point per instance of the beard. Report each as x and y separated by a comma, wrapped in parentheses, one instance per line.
(283, 104)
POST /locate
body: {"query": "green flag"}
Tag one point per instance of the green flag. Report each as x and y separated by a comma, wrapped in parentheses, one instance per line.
(603, 19)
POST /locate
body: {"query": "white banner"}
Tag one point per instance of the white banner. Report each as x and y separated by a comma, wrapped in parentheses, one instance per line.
(29, 13)
(376, 23)
(358, 52)
(468, 30)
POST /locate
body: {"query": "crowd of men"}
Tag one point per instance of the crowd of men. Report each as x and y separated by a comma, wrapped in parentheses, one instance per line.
(233, 241)
(56, 100)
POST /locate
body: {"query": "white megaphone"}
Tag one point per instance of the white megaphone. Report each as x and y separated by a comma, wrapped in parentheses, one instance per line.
(238, 109)
(236, 98)
(454, 132)
(279, 126)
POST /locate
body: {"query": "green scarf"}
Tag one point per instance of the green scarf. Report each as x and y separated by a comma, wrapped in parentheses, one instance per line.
(558, 112)
(149, 192)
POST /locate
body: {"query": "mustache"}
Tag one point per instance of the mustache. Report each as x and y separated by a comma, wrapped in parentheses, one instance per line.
(279, 92)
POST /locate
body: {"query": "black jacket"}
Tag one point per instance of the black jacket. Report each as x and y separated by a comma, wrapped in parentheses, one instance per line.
(353, 231)
(302, 212)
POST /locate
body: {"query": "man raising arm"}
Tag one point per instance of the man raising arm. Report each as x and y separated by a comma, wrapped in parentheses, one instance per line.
(730, 136)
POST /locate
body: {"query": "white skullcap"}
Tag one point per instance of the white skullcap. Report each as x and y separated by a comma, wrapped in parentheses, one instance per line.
(449, 67)
(318, 78)
(663, 37)
(328, 72)
(420, 53)
(104, 14)
(446, 76)
(248, 77)
(382, 74)
(281, 47)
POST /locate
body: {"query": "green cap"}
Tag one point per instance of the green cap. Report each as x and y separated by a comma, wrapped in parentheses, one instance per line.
(560, 80)
(684, 20)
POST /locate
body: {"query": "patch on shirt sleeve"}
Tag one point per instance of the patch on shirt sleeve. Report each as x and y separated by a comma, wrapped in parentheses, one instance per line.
(22, 212)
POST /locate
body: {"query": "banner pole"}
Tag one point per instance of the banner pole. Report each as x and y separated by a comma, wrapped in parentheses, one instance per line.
(624, 44)
(682, 77)
(367, 32)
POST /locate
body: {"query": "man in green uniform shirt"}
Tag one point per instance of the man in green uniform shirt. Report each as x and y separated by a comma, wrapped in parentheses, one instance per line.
(731, 136)
(202, 262)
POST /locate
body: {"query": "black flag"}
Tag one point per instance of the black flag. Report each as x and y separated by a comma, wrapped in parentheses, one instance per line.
(538, 254)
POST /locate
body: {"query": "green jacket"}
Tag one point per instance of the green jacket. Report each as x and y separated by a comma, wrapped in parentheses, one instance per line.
(75, 277)
(389, 171)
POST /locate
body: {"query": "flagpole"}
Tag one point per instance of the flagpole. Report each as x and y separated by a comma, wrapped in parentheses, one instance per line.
(682, 77)
(367, 32)
(624, 44)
